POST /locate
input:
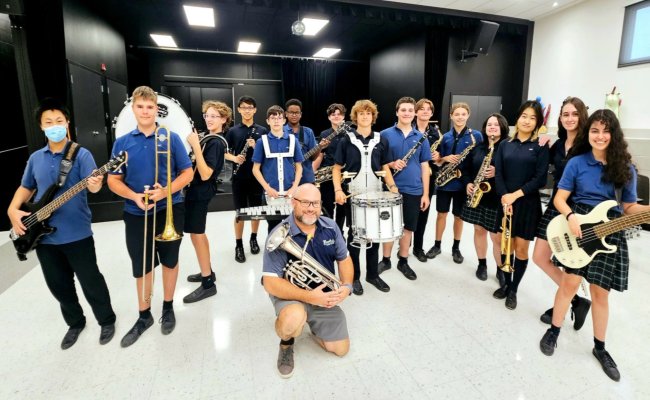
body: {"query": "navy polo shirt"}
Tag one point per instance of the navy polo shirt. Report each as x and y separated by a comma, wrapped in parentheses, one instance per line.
(348, 154)
(269, 165)
(213, 154)
(462, 141)
(583, 176)
(71, 220)
(409, 181)
(236, 137)
(140, 167)
(329, 153)
(307, 143)
(326, 246)
(520, 165)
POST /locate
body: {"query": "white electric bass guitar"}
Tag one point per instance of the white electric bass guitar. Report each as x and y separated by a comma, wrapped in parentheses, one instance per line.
(575, 253)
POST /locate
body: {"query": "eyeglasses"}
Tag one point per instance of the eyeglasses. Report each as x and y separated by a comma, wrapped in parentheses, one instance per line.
(307, 203)
(248, 108)
(276, 118)
(293, 113)
(211, 116)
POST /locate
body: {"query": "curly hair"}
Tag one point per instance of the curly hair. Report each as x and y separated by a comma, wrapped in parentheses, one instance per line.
(364, 105)
(583, 115)
(220, 107)
(617, 169)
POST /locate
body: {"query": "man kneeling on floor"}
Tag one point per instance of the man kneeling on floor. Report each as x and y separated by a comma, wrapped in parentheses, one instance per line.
(319, 238)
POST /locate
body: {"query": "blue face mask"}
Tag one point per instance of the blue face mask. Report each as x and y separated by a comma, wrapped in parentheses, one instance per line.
(56, 133)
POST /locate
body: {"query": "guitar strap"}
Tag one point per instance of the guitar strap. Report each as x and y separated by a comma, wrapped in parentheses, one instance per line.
(69, 155)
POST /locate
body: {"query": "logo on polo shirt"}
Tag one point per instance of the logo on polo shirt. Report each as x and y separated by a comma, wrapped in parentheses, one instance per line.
(328, 242)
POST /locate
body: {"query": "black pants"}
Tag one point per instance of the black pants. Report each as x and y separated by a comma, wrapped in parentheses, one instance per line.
(372, 259)
(418, 236)
(60, 263)
(327, 196)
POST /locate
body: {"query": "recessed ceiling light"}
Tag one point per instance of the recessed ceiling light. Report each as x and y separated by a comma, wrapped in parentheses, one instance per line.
(313, 25)
(163, 40)
(199, 16)
(248, 47)
(326, 52)
(556, 4)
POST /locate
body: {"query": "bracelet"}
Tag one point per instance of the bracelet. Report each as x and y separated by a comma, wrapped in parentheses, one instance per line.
(569, 214)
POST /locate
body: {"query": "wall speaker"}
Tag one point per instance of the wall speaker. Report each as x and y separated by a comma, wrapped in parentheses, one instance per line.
(484, 37)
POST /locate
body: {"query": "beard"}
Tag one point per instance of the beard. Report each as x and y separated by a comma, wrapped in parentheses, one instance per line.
(307, 219)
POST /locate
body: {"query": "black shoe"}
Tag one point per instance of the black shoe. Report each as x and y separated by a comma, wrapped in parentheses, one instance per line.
(458, 258)
(433, 252)
(548, 343)
(255, 248)
(379, 284)
(607, 362)
(240, 257)
(547, 317)
(168, 321)
(200, 293)
(580, 309)
(501, 277)
(196, 278)
(71, 337)
(481, 272)
(357, 289)
(132, 336)
(407, 271)
(500, 293)
(107, 333)
(383, 266)
(419, 254)
(511, 301)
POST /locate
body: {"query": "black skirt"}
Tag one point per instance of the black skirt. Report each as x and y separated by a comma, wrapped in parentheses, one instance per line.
(485, 216)
(526, 214)
(607, 270)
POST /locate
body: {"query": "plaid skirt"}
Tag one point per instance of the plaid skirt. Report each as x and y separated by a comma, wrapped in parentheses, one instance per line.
(607, 270)
(485, 216)
(549, 214)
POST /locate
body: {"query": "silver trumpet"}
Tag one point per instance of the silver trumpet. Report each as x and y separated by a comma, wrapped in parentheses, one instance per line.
(305, 272)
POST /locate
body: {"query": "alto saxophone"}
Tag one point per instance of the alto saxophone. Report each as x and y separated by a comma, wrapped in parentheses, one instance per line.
(434, 147)
(480, 184)
(450, 171)
(323, 175)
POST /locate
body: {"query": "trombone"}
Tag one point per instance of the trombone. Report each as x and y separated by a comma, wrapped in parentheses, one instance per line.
(169, 233)
(506, 240)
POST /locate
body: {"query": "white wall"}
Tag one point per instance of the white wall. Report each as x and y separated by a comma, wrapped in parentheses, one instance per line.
(575, 52)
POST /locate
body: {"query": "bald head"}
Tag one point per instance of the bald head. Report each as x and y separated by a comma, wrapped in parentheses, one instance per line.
(307, 191)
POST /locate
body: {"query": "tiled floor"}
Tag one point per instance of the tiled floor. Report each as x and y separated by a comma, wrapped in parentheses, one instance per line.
(442, 336)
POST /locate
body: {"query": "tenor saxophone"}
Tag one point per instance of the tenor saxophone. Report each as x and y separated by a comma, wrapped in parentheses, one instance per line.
(450, 171)
(481, 186)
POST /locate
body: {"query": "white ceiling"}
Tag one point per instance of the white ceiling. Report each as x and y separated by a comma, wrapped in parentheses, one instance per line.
(524, 9)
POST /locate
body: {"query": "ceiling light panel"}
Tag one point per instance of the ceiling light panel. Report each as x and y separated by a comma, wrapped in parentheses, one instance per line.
(163, 40)
(313, 25)
(248, 47)
(326, 52)
(199, 16)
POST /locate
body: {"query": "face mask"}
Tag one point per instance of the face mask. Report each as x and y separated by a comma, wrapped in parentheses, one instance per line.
(56, 133)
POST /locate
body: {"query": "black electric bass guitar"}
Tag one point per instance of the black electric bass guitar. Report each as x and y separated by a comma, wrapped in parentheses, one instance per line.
(36, 222)
(574, 252)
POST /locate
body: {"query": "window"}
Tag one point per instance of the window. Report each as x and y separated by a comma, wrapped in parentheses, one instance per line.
(635, 43)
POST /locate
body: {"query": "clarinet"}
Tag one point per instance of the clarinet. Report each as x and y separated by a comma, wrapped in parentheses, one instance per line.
(244, 151)
(410, 154)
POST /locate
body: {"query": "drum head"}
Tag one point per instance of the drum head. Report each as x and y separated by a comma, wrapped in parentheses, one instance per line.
(170, 114)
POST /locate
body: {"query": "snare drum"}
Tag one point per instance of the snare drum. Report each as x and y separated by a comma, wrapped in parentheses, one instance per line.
(377, 216)
(170, 114)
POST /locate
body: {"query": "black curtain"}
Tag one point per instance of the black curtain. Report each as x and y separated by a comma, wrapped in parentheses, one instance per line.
(437, 45)
(313, 82)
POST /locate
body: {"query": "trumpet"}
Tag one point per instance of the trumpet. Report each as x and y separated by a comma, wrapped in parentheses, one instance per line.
(506, 240)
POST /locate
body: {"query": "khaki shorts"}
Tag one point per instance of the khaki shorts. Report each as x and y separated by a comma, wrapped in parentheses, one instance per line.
(328, 324)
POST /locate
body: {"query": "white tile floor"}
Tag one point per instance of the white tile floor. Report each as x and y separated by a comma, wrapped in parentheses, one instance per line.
(442, 336)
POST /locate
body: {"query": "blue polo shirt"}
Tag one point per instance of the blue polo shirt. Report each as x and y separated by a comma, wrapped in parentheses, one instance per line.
(326, 246)
(308, 142)
(140, 167)
(269, 165)
(454, 143)
(409, 181)
(71, 220)
(583, 176)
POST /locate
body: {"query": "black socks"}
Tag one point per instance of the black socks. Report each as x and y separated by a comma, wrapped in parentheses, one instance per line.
(455, 245)
(206, 281)
(482, 262)
(168, 305)
(253, 235)
(402, 260)
(598, 345)
(146, 313)
(556, 330)
(437, 243)
(286, 342)
(386, 260)
(240, 243)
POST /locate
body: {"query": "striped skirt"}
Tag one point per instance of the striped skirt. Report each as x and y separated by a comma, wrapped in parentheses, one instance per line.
(485, 216)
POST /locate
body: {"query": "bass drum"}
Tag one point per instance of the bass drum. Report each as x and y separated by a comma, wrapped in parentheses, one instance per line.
(170, 115)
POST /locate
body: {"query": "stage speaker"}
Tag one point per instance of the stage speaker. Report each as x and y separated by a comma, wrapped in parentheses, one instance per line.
(484, 37)
(11, 7)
